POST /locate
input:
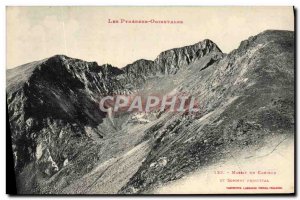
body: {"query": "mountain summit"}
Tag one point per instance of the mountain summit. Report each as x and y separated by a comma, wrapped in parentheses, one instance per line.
(64, 144)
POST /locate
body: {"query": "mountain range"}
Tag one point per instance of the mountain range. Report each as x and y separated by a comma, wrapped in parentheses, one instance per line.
(64, 144)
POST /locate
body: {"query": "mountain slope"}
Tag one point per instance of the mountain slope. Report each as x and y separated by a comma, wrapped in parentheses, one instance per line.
(247, 99)
(63, 143)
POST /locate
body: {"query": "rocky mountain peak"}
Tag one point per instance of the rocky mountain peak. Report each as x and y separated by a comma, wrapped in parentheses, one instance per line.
(140, 67)
(64, 144)
(285, 39)
(172, 60)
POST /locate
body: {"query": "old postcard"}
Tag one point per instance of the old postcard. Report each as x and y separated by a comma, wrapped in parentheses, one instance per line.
(151, 100)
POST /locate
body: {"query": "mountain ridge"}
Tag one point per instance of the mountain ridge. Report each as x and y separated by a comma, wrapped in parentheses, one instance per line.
(246, 96)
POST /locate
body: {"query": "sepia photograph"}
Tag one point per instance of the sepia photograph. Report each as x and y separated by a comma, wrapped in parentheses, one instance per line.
(150, 100)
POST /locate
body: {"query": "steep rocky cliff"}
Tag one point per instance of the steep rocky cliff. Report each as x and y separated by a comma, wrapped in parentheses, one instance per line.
(63, 143)
(170, 61)
(247, 99)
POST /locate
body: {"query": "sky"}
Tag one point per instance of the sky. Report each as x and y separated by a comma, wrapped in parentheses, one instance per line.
(35, 33)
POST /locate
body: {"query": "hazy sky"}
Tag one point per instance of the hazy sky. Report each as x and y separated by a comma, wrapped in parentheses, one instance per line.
(34, 33)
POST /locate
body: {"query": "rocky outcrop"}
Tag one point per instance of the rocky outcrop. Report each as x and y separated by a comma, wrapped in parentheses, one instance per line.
(63, 143)
(170, 61)
(238, 111)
